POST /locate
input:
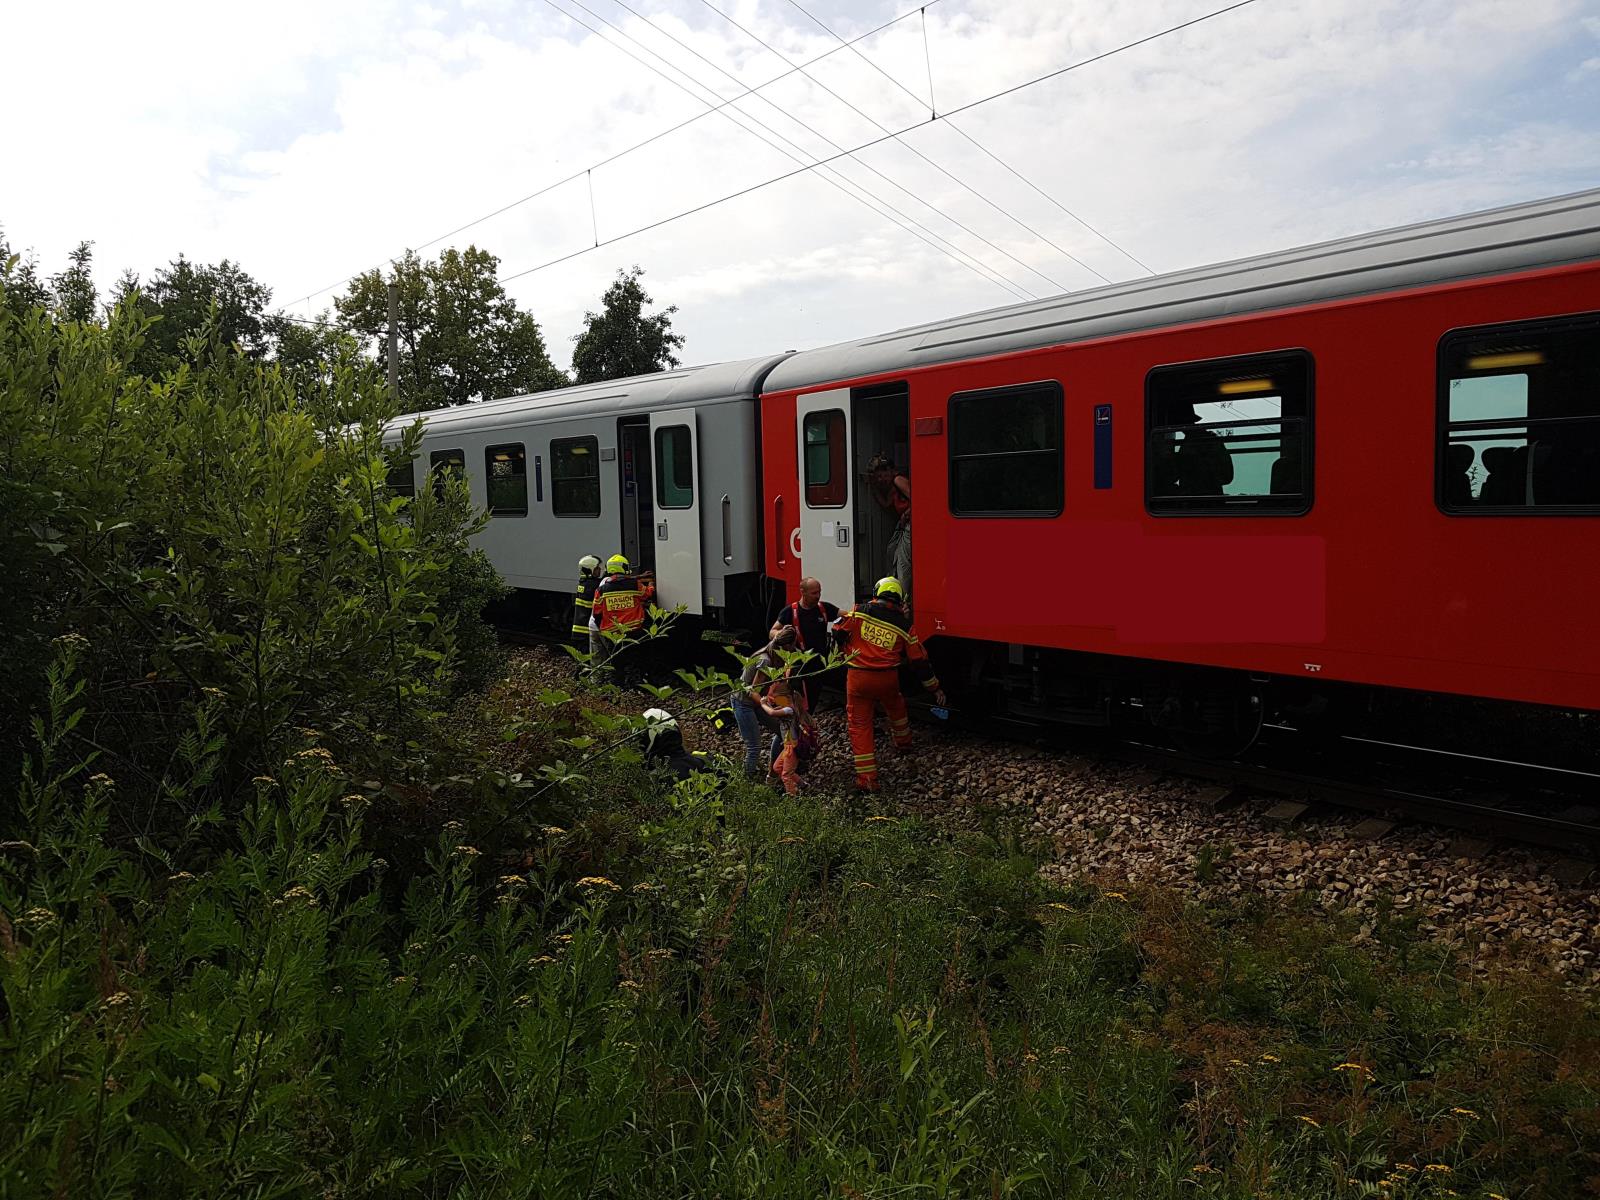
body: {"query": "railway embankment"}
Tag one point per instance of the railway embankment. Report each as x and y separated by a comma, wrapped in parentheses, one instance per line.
(1101, 821)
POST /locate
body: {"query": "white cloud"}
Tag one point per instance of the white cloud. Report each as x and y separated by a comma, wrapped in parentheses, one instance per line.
(317, 140)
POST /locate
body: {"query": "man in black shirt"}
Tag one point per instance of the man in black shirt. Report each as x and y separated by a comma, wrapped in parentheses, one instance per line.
(811, 617)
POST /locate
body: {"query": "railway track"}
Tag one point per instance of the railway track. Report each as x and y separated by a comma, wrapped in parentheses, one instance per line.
(1490, 798)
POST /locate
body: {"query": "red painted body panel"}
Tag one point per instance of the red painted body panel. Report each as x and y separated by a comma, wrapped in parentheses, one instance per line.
(1374, 585)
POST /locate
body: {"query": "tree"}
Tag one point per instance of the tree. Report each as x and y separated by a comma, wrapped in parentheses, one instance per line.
(309, 351)
(74, 288)
(620, 340)
(24, 290)
(183, 295)
(461, 337)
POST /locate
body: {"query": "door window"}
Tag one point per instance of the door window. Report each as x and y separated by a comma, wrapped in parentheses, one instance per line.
(674, 467)
(826, 476)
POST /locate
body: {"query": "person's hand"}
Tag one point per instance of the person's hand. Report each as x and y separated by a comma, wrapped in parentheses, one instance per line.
(939, 697)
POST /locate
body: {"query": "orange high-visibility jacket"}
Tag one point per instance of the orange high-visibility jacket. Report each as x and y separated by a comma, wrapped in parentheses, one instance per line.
(877, 637)
(621, 602)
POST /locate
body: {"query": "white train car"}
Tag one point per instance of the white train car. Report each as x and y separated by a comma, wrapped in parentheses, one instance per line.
(664, 468)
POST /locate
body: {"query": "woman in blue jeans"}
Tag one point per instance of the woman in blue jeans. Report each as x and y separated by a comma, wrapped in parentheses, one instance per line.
(746, 699)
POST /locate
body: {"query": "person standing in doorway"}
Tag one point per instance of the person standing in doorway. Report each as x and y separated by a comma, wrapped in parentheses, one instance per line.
(811, 616)
(891, 488)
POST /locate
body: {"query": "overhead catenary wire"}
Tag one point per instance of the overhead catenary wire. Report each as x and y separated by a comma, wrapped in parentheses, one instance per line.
(623, 153)
(968, 107)
(856, 50)
(954, 178)
(767, 135)
(815, 132)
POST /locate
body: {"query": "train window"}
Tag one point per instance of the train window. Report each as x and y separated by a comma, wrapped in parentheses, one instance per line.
(446, 464)
(1519, 418)
(674, 467)
(575, 477)
(506, 469)
(1005, 451)
(1231, 436)
(402, 480)
(827, 477)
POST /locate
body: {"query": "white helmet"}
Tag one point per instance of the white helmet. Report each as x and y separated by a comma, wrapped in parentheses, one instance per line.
(657, 720)
(588, 564)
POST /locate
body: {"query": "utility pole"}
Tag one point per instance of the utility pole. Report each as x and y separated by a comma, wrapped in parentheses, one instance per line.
(394, 338)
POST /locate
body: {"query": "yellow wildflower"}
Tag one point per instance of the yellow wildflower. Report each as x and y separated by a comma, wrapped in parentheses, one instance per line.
(1351, 1066)
(467, 852)
(1270, 1058)
(551, 830)
(1202, 1169)
(118, 999)
(1060, 907)
(1437, 1168)
(1315, 1124)
(647, 886)
(1114, 896)
(870, 820)
(1465, 1112)
(540, 961)
(513, 881)
(264, 780)
(791, 841)
(598, 881)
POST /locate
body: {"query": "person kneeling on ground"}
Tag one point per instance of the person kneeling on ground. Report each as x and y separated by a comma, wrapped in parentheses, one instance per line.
(664, 746)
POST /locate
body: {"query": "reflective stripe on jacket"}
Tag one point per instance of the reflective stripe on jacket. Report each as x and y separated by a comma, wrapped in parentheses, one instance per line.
(583, 603)
(877, 637)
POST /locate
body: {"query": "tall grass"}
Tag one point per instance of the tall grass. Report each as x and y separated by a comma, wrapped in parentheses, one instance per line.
(710, 990)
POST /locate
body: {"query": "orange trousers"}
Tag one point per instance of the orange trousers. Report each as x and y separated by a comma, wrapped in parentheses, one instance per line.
(864, 691)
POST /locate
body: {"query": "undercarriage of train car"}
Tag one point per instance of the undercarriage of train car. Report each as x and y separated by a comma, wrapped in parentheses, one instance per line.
(1220, 713)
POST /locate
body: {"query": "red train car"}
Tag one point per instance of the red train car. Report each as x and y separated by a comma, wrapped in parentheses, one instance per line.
(1371, 462)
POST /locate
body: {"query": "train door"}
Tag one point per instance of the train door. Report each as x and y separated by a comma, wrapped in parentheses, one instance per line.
(675, 445)
(827, 544)
(880, 428)
(638, 511)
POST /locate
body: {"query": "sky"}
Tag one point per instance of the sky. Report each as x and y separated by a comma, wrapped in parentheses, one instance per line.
(311, 140)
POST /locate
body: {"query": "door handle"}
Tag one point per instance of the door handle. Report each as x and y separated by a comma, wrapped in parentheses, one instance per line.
(778, 540)
(727, 531)
(841, 535)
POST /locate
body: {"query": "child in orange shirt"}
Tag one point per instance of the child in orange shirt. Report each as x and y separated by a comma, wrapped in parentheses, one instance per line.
(794, 725)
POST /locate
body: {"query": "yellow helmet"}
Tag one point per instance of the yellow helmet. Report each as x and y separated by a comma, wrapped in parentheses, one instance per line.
(888, 586)
(617, 563)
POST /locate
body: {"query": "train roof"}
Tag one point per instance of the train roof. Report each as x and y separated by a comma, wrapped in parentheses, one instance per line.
(682, 387)
(1544, 233)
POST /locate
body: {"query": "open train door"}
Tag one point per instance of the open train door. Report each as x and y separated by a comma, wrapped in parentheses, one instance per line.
(676, 449)
(827, 547)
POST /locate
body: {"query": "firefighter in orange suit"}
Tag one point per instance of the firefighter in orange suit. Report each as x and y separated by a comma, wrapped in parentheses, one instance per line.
(876, 637)
(622, 600)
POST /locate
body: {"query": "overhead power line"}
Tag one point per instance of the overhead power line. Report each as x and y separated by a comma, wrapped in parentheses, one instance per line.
(857, 51)
(798, 154)
(968, 107)
(623, 153)
(882, 128)
(815, 132)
